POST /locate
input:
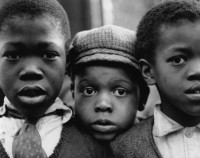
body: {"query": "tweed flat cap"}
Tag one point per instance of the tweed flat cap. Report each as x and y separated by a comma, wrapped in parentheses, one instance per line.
(108, 43)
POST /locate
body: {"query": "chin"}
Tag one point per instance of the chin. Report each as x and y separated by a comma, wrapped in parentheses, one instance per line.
(104, 137)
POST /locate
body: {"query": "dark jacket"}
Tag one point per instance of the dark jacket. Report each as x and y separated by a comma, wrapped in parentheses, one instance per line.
(137, 142)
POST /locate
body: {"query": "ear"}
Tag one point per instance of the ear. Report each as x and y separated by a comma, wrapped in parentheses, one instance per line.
(147, 72)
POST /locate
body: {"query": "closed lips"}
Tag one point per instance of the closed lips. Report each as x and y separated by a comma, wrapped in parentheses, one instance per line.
(103, 122)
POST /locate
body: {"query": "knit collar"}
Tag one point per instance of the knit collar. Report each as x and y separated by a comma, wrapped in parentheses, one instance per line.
(163, 125)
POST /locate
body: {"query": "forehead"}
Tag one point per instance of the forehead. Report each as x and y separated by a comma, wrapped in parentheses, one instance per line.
(26, 24)
(183, 34)
(178, 24)
(31, 31)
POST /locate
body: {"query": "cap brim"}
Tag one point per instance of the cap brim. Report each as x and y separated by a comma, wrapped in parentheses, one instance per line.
(107, 56)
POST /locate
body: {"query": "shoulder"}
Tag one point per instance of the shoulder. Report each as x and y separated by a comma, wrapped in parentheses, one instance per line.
(76, 143)
(136, 142)
(139, 131)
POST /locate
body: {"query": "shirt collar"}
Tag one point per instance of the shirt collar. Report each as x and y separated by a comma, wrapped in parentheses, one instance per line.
(57, 105)
(163, 125)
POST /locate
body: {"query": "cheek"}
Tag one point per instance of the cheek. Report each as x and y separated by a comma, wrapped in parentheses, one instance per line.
(58, 72)
(8, 71)
(166, 82)
(127, 113)
(8, 77)
(55, 76)
(7, 80)
(84, 109)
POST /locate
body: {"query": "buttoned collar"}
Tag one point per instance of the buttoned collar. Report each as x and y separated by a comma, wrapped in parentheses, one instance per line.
(163, 125)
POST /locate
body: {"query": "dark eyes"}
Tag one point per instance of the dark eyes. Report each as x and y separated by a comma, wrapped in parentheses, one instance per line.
(15, 55)
(12, 55)
(118, 92)
(49, 55)
(178, 60)
(88, 91)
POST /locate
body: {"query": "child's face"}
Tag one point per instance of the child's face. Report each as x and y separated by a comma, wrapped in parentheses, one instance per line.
(106, 100)
(32, 63)
(176, 70)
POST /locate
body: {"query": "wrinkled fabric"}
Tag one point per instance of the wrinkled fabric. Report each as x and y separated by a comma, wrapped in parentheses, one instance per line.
(49, 127)
(27, 143)
(174, 140)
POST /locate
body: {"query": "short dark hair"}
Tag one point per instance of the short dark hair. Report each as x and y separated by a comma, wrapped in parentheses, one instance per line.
(169, 12)
(34, 9)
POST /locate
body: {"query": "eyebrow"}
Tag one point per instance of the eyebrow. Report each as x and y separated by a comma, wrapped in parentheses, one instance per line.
(121, 81)
(85, 80)
(185, 50)
(113, 81)
(14, 44)
(21, 45)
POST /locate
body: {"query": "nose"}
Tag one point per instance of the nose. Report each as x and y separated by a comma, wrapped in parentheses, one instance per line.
(194, 71)
(104, 103)
(31, 71)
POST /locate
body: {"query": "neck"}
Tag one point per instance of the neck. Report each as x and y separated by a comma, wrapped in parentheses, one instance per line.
(184, 119)
(31, 120)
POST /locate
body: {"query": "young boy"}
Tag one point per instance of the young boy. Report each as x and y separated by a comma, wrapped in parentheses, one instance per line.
(167, 45)
(34, 39)
(108, 87)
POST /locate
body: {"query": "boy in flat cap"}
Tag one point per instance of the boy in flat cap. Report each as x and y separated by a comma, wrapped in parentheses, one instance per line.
(107, 85)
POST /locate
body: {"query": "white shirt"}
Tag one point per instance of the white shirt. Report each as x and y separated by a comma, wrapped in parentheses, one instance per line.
(174, 140)
(49, 127)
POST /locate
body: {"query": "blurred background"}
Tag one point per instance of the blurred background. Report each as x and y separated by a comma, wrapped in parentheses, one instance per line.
(87, 14)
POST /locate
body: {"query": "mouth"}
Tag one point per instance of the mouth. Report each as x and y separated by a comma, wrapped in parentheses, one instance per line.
(31, 91)
(193, 90)
(103, 126)
(193, 93)
(31, 94)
